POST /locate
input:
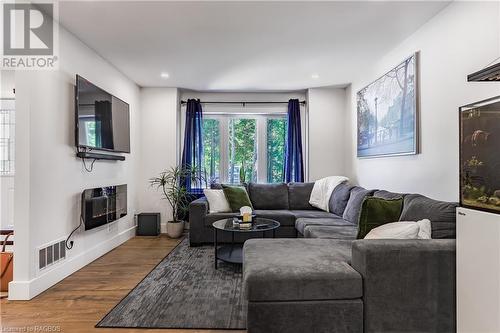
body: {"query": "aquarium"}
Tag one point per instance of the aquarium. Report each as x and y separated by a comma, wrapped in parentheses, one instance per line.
(480, 155)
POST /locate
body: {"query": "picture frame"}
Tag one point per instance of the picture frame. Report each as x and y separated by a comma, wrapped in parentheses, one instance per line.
(388, 111)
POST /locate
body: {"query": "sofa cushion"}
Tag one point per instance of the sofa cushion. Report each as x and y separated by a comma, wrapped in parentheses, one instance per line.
(299, 195)
(313, 214)
(378, 211)
(283, 216)
(211, 218)
(268, 196)
(388, 195)
(331, 232)
(353, 207)
(237, 197)
(302, 223)
(339, 198)
(299, 269)
(441, 214)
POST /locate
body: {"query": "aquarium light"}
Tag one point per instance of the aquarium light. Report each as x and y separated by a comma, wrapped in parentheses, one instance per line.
(488, 74)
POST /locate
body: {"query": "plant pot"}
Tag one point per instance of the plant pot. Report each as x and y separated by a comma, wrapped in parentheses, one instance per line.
(175, 229)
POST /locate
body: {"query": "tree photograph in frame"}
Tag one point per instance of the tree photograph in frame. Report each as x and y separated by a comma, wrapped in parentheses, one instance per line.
(387, 112)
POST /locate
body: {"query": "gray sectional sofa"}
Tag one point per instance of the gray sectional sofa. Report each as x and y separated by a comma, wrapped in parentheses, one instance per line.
(327, 280)
(287, 204)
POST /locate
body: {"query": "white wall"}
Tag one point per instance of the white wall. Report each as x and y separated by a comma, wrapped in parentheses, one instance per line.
(461, 39)
(49, 178)
(327, 137)
(159, 142)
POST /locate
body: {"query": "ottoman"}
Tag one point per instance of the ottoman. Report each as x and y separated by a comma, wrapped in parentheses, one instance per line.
(301, 285)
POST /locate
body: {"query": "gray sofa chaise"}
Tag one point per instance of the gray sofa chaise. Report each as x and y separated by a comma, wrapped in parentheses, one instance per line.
(326, 283)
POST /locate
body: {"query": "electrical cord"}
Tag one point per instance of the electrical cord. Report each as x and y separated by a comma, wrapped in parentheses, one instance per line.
(91, 165)
(70, 246)
(83, 160)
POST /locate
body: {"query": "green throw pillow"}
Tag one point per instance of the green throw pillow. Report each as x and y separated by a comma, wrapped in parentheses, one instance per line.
(237, 197)
(377, 211)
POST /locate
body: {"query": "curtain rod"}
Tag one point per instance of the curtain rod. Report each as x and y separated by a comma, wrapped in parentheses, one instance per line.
(242, 102)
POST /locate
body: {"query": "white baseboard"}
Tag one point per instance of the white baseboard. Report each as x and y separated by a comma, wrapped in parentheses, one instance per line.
(163, 227)
(26, 290)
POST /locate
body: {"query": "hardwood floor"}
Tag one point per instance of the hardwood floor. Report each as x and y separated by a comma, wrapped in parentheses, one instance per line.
(78, 302)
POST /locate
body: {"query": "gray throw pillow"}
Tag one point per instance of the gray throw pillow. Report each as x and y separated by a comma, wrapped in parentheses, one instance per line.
(353, 208)
(340, 197)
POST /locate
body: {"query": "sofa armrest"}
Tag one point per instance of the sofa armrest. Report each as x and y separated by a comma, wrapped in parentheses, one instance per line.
(198, 209)
(408, 285)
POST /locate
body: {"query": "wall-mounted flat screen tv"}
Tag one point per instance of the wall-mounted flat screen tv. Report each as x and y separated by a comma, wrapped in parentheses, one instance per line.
(480, 155)
(102, 120)
(103, 205)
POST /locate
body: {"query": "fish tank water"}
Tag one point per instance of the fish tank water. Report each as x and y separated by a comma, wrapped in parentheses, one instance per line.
(480, 155)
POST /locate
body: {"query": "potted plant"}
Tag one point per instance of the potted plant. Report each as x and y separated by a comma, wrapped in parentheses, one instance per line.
(178, 197)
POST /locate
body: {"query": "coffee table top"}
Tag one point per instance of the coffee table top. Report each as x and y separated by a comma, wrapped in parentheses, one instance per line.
(227, 225)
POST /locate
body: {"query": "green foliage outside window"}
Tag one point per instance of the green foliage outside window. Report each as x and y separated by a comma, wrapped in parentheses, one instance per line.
(241, 146)
(211, 149)
(242, 150)
(275, 149)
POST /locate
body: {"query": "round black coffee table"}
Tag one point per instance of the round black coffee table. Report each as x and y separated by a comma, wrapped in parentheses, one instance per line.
(233, 253)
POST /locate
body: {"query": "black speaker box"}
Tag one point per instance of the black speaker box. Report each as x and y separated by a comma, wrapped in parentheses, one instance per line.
(148, 224)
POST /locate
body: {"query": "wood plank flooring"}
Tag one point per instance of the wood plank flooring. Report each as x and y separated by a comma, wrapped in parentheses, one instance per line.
(78, 302)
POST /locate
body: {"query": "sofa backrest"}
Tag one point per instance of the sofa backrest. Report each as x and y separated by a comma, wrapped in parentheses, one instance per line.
(269, 196)
(299, 195)
(441, 214)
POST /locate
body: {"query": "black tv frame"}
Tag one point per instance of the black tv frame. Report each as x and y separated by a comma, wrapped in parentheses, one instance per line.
(86, 149)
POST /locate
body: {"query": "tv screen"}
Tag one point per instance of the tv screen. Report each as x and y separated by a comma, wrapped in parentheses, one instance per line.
(102, 120)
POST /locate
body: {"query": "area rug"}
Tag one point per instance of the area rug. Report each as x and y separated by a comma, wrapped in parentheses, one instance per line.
(184, 291)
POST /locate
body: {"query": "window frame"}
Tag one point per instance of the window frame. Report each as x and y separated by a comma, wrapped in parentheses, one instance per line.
(261, 135)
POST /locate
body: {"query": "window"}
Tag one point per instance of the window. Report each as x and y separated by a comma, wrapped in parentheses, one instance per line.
(211, 149)
(244, 147)
(242, 150)
(7, 125)
(276, 129)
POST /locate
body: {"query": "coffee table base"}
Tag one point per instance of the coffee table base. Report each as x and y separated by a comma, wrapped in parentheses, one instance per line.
(231, 253)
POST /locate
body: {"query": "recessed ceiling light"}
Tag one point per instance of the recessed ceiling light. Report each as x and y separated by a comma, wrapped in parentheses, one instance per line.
(164, 75)
(315, 76)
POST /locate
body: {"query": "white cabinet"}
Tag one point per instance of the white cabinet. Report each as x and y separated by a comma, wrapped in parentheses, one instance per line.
(478, 271)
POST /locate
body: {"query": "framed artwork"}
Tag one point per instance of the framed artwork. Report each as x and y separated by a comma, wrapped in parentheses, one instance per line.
(388, 112)
(479, 157)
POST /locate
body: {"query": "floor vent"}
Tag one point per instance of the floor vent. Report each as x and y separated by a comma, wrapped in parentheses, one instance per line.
(51, 254)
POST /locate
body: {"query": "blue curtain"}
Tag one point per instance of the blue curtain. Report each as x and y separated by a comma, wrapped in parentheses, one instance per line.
(294, 165)
(193, 143)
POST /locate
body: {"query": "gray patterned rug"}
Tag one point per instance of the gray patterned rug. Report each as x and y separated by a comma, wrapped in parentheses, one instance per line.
(184, 291)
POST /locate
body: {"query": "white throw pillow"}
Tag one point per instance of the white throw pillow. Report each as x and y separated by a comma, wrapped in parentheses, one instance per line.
(425, 231)
(402, 230)
(217, 201)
